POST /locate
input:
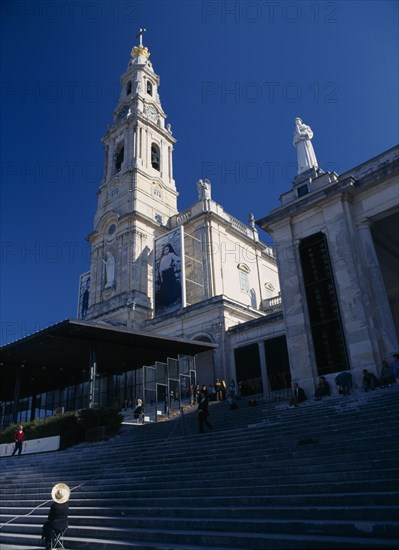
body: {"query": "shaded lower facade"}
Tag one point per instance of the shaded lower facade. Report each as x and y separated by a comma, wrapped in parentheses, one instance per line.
(75, 365)
(162, 387)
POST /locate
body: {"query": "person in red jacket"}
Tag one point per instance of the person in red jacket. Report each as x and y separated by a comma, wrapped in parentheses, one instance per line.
(19, 438)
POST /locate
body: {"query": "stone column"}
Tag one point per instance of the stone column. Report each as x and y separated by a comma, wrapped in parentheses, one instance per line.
(380, 311)
(162, 159)
(111, 152)
(297, 326)
(139, 142)
(263, 367)
(129, 145)
(170, 149)
(146, 153)
(135, 142)
(346, 263)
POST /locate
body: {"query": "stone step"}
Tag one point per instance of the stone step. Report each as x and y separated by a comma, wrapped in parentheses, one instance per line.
(323, 449)
(254, 477)
(202, 539)
(363, 498)
(238, 488)
(279, 418)
(367, 513)
(380, 529)
(373, 471)
(21, 457)
(168, 489)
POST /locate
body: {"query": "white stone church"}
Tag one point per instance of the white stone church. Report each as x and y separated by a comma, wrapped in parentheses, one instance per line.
(324, 301)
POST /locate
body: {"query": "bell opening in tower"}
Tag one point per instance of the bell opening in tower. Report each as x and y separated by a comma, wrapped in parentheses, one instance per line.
(119, 159)
(155, 157)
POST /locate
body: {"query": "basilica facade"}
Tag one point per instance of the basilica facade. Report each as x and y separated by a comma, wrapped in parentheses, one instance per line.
(191, 274)
(325, 300)
(172, 299)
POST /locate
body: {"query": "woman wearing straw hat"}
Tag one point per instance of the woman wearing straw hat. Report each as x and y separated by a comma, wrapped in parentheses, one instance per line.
(57, 520)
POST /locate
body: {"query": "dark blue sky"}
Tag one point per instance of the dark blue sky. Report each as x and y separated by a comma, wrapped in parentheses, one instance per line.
(234, 75)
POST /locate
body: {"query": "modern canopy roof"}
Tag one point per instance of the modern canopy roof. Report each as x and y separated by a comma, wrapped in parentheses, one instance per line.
(59, 355)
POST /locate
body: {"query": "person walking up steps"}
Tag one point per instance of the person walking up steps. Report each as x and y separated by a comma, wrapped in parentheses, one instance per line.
(203, 413)
(19, 438)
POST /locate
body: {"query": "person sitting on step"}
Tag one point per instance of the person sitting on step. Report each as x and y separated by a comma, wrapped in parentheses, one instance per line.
(297, 395)
(322, 388)
(231, 402)
(57, 521)
(344, 382)
(370, 381)
(387, 378)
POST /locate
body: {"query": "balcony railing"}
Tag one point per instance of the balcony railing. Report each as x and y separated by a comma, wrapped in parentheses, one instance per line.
(272, 304)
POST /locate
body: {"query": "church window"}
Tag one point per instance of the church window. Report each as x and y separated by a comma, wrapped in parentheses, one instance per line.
(155, 157)
(244, 277)
(269, 289)
(323, 306)
(129, 88)
(303, 190)
(149, 88)
(119, 158)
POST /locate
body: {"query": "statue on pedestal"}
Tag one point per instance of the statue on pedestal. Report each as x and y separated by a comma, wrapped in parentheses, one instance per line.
(204, 189)
(305, 152)
(109, 270)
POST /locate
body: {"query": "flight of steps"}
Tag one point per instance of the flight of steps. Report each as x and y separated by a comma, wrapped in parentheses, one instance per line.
(323, 475)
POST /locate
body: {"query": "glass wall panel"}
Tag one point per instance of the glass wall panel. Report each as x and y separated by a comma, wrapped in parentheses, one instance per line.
(185, 392)
(184, 364)
(174, 395)
(173, 368)
(150, 393)
(162, 373)
(162, 387)
(162, 400)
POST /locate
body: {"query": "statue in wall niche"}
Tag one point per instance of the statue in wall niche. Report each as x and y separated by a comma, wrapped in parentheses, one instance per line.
(109, 269)
(304, 148)
(204, 189)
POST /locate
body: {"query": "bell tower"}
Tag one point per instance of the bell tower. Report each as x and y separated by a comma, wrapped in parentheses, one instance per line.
(136, 198)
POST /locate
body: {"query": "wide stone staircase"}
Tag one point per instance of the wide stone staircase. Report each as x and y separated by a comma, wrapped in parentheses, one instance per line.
(323, 475)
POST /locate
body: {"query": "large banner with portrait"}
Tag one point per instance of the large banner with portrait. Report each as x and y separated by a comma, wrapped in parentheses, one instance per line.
(83, 298)
(169, 293)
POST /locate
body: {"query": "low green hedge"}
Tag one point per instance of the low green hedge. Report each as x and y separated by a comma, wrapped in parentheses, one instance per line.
(71, 426)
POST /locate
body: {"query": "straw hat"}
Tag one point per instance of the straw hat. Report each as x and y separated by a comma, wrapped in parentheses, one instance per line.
(60, 493)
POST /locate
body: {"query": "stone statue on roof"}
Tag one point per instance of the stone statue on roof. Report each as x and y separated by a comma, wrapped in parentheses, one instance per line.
(204, 189)
(305, 152)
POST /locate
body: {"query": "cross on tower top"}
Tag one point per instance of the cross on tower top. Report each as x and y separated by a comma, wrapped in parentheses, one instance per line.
(140, 50)
(140, 35)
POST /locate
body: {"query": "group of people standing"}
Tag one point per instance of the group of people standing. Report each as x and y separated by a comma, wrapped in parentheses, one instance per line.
(215, 392)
